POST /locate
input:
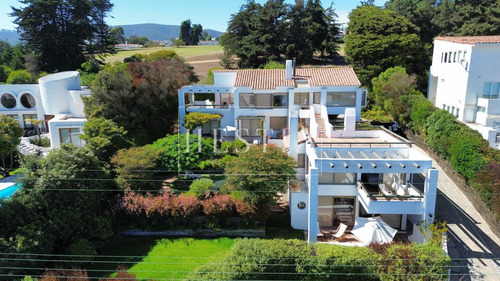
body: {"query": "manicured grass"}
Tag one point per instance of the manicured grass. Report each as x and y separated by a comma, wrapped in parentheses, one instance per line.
(16, 171)
(175, 259)
(186, 52)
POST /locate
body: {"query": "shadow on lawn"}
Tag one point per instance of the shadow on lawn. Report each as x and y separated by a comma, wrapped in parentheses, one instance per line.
(120, 251)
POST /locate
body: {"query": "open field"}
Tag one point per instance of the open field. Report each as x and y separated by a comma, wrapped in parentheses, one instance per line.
(202, 58)
(186, 52)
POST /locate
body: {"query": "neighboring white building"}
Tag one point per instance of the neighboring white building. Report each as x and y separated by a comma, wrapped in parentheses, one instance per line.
(343, 173)
(464, 79)
(57, 100)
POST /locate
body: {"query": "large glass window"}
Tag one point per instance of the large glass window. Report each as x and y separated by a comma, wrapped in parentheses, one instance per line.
(301, 99)
(70, 135)
(341, 99)
(250, 127)
(363, 98)
(247, 100)
(491, 90)
(226, 98)
(280, 100)
(336, 178)
(8, 101)
(317, 98)
(13, 116)
(28, 101)
(27, 122)
(263, 101)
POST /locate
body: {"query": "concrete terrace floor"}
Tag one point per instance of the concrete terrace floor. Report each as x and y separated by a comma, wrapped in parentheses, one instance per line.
(472, 246)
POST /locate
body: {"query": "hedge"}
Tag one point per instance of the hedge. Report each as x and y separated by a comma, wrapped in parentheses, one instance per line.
(278, 259)
(465, 149)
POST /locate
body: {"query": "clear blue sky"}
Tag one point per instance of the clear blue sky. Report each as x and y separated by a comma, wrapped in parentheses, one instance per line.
(211, 14)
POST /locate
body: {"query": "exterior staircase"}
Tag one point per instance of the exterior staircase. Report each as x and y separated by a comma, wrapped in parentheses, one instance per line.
(321, 126)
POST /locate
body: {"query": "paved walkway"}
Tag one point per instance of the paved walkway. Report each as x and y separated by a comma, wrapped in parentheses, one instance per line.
(472, 246)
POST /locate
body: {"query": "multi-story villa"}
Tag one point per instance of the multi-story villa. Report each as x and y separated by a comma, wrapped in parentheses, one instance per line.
(343, 173)
(464, 79)
(56, 100)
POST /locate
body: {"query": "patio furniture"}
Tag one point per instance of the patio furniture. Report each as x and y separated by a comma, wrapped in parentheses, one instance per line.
(339, 233)
(373, 230)
(383, 190)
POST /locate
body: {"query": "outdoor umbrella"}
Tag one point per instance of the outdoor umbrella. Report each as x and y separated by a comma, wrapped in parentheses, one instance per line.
(373, 230)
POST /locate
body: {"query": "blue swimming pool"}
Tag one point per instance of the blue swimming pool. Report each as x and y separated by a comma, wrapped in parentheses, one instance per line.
(7, 192)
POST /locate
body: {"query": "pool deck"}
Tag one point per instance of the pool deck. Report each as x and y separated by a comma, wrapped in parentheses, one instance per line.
(8, 182)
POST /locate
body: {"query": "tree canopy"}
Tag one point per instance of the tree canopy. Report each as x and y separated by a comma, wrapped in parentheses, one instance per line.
(64, 33)
(141, 97)
(62, 200)
(10, 132)
(259, 33)
(379, 39)
(190, 34)
(257, 175)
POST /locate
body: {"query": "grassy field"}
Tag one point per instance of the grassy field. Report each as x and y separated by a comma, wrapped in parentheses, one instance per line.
(175, 259)
(187, 52)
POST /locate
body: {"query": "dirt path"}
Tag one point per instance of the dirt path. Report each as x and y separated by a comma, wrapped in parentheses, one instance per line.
(472, 246)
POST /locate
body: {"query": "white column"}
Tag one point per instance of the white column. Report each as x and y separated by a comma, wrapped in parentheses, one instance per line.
(430, 194)
(182, 111)
(312, 223)
(293, 134)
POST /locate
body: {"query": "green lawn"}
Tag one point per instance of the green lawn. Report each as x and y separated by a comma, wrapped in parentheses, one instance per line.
(186, 52)
(159, 258)
(175, 259)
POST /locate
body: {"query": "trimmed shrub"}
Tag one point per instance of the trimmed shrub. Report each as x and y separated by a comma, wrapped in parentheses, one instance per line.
(186, 206)
(413, 262)
(466, 155)
(201, 188)
(219, 206)
(441, 128)
(418, 110)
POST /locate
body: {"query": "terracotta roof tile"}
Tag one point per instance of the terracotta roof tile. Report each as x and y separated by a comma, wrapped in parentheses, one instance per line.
(265, 79)
(471, 40)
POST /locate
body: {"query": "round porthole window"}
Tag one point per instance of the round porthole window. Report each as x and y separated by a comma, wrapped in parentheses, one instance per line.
(301, 205)
(8, 101)
(28, 101)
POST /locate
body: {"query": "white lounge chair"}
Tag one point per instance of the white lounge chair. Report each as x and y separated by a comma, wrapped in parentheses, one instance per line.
(384, 190)
(339, 234)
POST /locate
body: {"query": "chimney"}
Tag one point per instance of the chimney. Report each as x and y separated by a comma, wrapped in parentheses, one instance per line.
(289, 70)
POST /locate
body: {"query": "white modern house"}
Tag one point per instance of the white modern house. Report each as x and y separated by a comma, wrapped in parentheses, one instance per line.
(363, 173)
(343, 173)
(56, 100)
(464, 79)
(267, 105)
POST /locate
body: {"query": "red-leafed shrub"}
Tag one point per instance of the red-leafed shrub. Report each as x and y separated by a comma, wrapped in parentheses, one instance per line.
(65, 275)
(245, 210)
(186, 206)
(219, 206)
(148, 204)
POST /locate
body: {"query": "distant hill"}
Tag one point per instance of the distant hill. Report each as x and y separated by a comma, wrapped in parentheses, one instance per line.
(10, 36)
(158, 32)
(153, 31)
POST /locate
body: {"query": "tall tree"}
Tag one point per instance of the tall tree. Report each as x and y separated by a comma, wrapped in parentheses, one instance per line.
(316, 27)
(186, 32)
(64, 33)
(196, 35)
(468, 17)
(118, 35)
(10, 132)
(378, 39)
(258, 175)
(420, 12)
(141, 97)
(296, 43)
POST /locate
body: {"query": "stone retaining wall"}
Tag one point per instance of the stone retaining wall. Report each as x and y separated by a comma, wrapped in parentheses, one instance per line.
(459, 181)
